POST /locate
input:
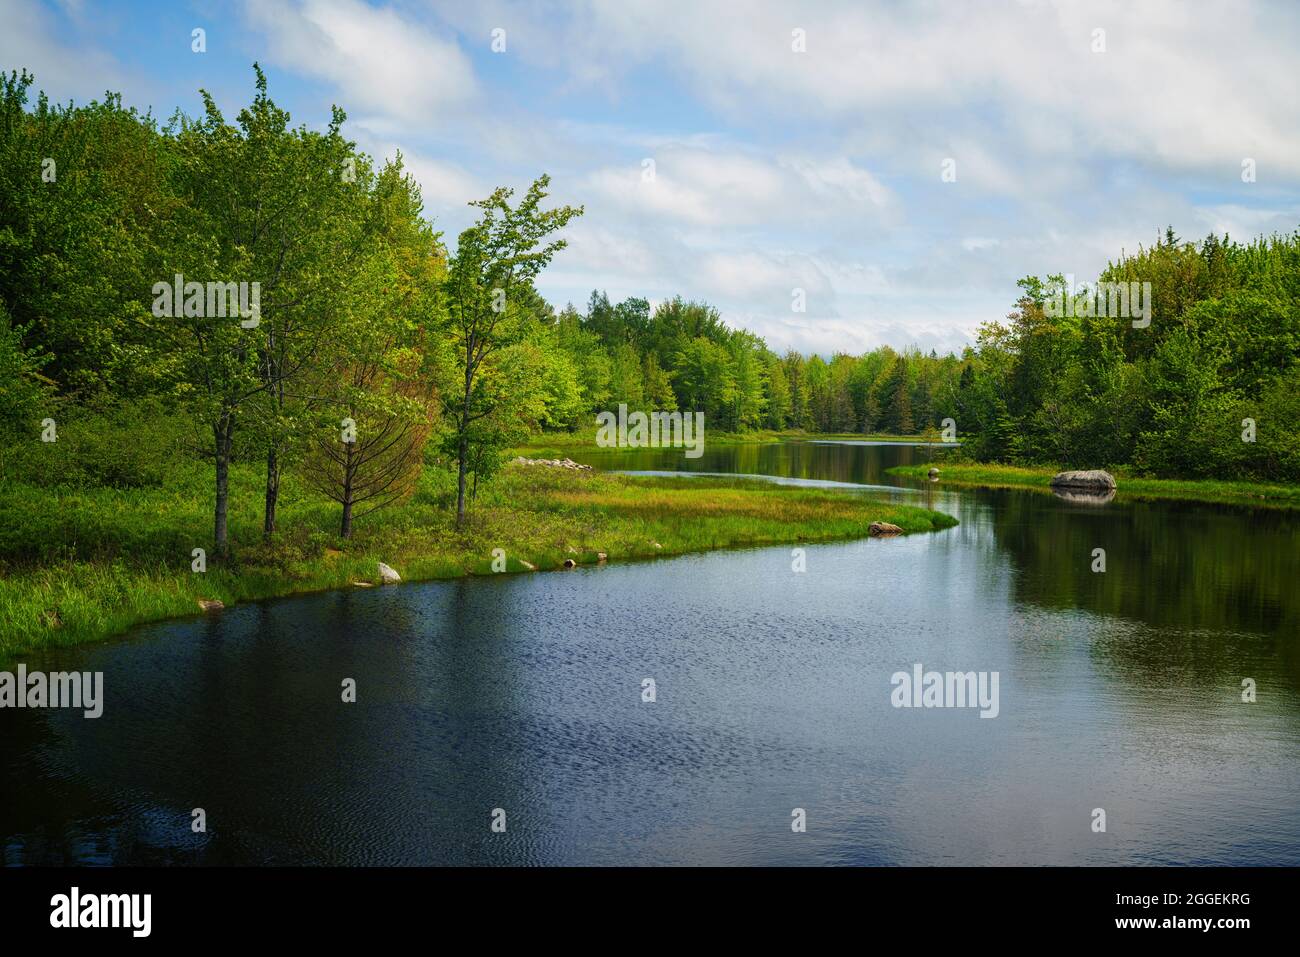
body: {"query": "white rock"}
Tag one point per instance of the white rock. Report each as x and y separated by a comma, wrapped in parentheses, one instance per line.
(387, 575)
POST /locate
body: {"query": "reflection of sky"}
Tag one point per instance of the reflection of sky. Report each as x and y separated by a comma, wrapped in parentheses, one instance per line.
(774, 170)
(778, 480)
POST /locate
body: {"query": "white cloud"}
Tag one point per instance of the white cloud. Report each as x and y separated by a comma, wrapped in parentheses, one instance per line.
(724, 187)
(1187, 86)
(32, 40)
(378, 61)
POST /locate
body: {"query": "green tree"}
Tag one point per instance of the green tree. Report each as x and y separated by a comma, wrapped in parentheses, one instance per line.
(704, 378)
(505, 250)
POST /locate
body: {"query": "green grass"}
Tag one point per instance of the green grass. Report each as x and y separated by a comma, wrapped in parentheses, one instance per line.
(82, 564)
(1189, 490)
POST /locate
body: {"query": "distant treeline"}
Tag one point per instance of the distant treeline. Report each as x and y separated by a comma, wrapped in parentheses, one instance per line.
(1210, 387)
(1205, 382)
(682, 356)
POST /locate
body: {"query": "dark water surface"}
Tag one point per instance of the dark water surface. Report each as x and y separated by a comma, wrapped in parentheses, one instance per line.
(1119, 691)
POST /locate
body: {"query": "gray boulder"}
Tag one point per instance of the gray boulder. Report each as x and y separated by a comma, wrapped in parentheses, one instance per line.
(1094, 479)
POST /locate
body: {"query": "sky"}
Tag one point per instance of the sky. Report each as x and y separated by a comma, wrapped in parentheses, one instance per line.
(893, 167)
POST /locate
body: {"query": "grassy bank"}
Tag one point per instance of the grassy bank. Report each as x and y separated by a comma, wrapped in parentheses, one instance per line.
(79, 565)
(1189, 490)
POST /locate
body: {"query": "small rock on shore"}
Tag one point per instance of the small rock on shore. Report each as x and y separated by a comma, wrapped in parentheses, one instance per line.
(553, 463)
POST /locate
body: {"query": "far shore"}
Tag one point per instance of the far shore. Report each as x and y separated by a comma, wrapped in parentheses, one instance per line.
(1256, 494)
(555, 443)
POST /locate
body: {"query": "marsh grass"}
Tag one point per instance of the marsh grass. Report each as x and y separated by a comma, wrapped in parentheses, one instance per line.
(83, 564)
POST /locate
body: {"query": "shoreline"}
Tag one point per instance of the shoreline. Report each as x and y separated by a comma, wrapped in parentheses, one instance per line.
(539, 516)
(1207, 491)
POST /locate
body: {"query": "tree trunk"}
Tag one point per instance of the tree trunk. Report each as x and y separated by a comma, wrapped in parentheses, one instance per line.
(222, 432)
(462, 449)
(461, 455)
(272, 493)
(345, 529)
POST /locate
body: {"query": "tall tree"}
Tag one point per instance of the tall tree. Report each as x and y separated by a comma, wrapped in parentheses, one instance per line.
(505, 250)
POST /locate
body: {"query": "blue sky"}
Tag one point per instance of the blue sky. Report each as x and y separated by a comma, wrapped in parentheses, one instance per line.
(774, 169)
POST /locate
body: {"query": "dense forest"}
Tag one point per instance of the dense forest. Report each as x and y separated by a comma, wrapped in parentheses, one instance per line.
(1206, 384)
(371, 349)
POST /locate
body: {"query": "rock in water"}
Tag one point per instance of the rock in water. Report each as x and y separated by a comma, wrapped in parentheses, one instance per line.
(1094, 479)
(884, 528)
(387, 576)
(210, 604)
(934, 473)
(570, 563)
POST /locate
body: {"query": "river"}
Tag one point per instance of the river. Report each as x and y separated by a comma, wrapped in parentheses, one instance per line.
(1118, 690)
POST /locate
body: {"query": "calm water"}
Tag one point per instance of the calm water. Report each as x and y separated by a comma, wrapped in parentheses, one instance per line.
(1119, 691)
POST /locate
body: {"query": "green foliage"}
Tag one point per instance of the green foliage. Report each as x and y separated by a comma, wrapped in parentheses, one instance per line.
(83, 197)
(25, 394)
(127, 443)
(1172, 398)
(491, 307)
